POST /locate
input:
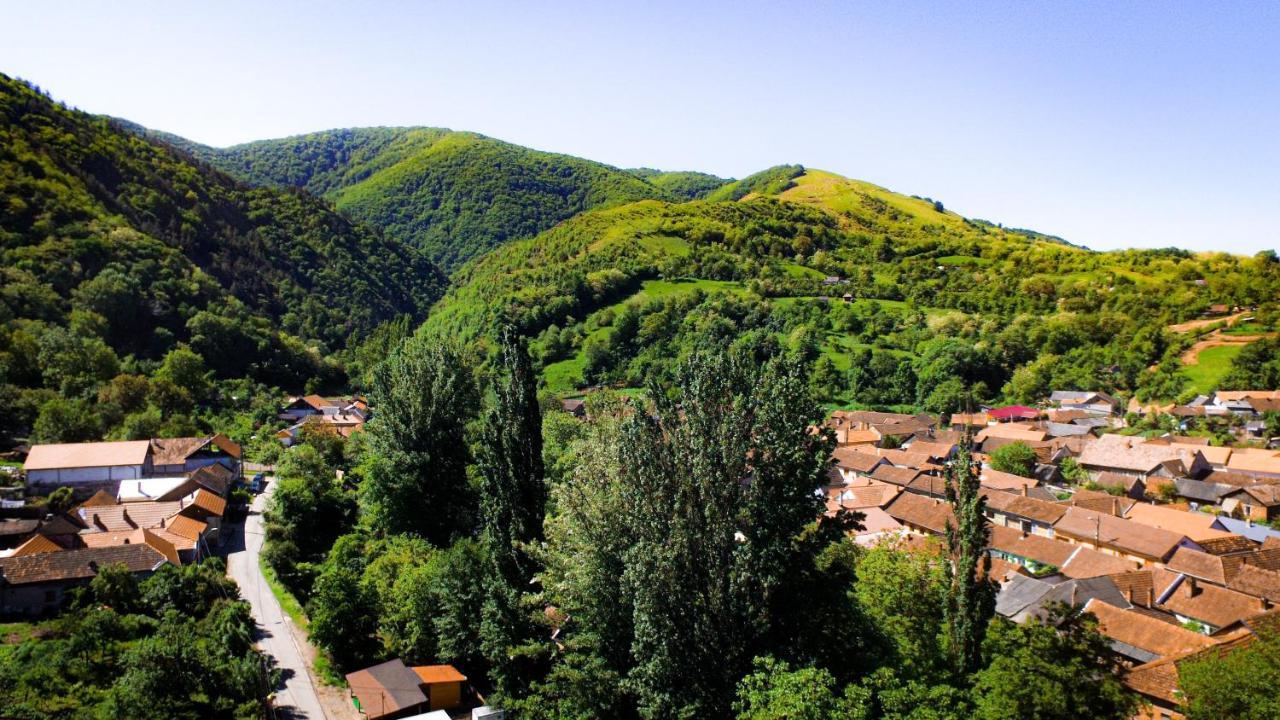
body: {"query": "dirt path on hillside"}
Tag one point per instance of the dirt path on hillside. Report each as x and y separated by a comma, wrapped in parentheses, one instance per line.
(1215, 339)
(1193, 325)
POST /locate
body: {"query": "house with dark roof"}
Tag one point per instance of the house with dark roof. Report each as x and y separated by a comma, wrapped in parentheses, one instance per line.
(38, 582)
(1259, 503)
(394, 690)
(1022, 598)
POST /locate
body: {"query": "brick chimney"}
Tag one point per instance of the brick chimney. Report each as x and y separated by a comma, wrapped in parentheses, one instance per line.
(1024, 491)
(1192, 588)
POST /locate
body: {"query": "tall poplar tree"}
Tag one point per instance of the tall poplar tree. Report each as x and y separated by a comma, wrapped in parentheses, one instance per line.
(513, 498)
(971, 596)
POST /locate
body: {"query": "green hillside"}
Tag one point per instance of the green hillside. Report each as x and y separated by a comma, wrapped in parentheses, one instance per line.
(114, 249)
(941, 303)
(684, 185)
(453, 194)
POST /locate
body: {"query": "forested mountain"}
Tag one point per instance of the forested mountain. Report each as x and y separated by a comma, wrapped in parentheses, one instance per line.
(685, 185)
(453, 194)
(115, 249)
(942, 309)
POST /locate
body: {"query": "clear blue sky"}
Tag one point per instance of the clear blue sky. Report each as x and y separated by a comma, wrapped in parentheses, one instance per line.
(1113, 124)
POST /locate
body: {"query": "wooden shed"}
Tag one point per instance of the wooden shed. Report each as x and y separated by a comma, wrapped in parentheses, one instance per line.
(443, 685)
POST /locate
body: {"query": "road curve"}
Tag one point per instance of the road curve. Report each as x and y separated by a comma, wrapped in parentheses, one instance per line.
(296, 697)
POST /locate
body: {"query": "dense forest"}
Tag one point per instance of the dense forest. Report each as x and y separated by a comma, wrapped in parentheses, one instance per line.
(135, 277)
(453, 194)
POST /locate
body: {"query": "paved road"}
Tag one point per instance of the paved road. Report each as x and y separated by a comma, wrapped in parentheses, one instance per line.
(297, 698)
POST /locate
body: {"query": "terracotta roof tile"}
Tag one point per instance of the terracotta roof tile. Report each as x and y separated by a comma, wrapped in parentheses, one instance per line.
(1144, 632)
(77, 564)
(1086, 563)
(894, 475)
(1100, 502)
(1046, 551)
(1210, 604)
(1258, 582)
(856, 460)
(432, 674)
(997, 480)
(1195, 525)
(920, 511)
(1120, 534)
(35, 545)
(1030, 508)
(1230, 545)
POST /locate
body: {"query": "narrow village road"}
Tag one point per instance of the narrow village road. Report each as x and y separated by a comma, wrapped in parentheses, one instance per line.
(297, 697)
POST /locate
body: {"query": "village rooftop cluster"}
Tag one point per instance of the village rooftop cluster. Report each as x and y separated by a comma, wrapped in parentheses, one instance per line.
(1166, 539)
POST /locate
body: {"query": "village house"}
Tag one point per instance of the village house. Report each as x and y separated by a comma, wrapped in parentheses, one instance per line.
(1092, 402)
(37, 582)
(1157, 682)
(1086, 563)
(920, 514)
(1196, 526)
(1038, 554)
(1013, 413)
(1257, 462)
(1118, 536)
(1134, 456)
(1025, 598)
(298, 408)
(1013, 432)
(576, 407)
(341, 424)
(190, 523)
(856, 465)
(1259, 503)
(1022, 513)
(1130, 486)
(87, 467)
(1140, 638)
(1247, 403)
(997, 480)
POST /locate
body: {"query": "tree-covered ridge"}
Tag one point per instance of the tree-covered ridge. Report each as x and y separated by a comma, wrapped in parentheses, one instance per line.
(940, 304)
(683, 184)
(132, 278)
(766, 182)
(78, 193)
(453, 194)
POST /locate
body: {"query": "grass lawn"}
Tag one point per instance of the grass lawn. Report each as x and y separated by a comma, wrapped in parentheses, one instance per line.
(1249, 328)
(1214, 364)
(13, 633)
(802, 272)
(652, 289)
(963, 260)
(667, 244)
